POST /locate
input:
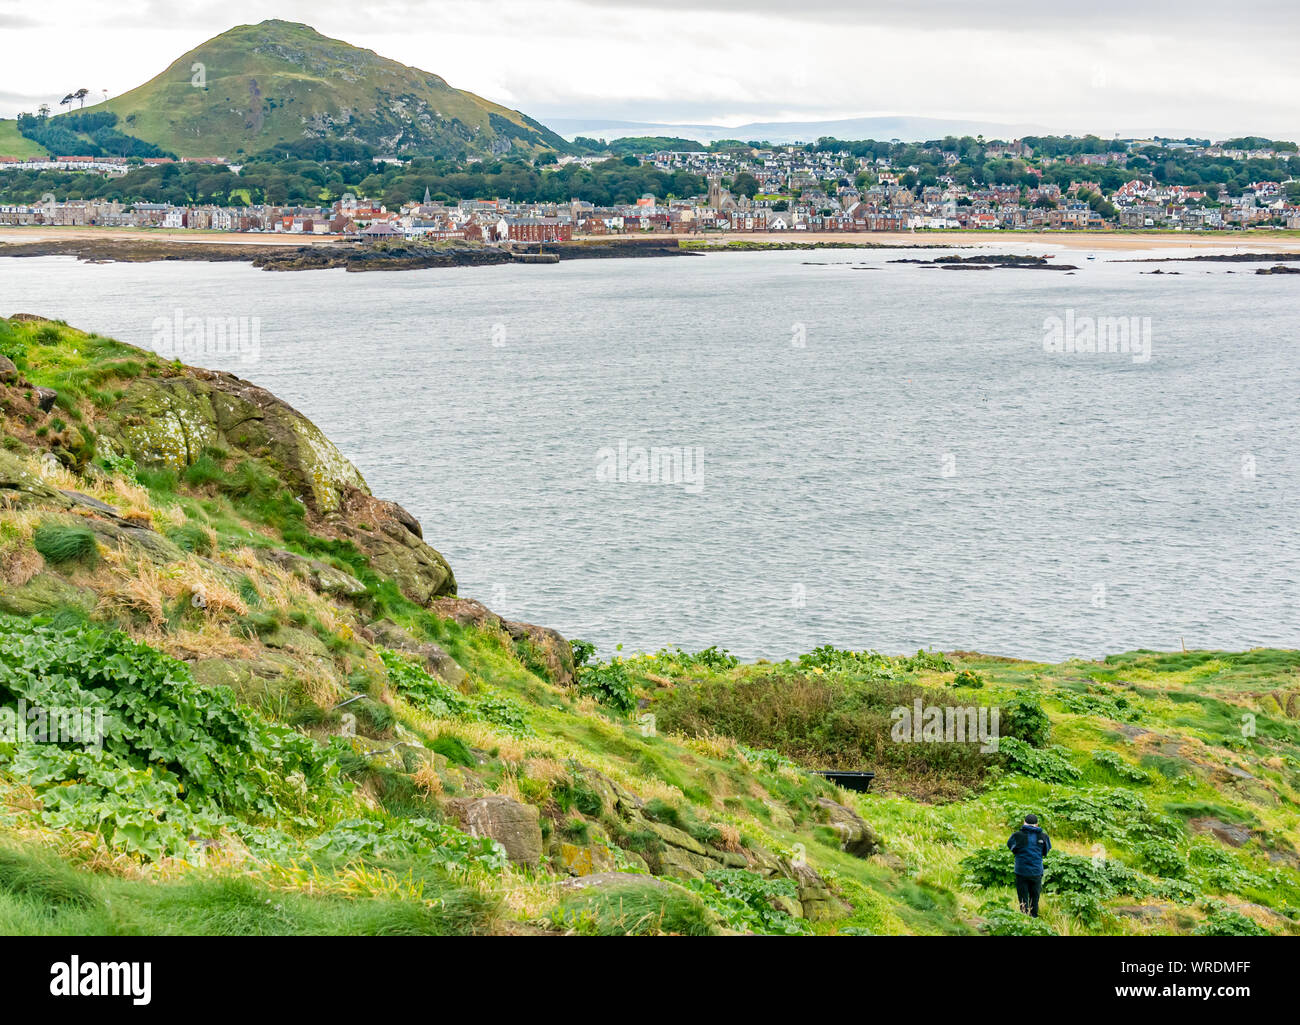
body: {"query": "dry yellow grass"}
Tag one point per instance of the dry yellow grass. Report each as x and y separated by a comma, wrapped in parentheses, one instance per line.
(589, 705)
(52, 472)
(210, 640)
(729, 838)
(137, 585)
(132, 501)
(129, 498)
(18, 567)
(712, 745)
(323, 687)
(137, 589)
(528, 899)
(207, 587)
(427, 780)
(172, 516)
(476, 734)
(278, 586)
(545, 770)
(509, 784)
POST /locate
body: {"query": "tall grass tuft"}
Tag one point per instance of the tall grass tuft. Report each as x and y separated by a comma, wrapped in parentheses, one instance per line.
(60, 543)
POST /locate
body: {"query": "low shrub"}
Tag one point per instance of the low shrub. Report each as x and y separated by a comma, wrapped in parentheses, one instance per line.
(1224, 922)
(1050, 766)
(1024, 719)
(988, 868)
(1101, 878)
(180, 761)
(743, 900)
(1000, 920)
(609, 684)
(844, 721)
(1161, 858)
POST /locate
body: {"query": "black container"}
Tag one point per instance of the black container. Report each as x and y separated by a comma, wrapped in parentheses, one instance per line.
(859, 781)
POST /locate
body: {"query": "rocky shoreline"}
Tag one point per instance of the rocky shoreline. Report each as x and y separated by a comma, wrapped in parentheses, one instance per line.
(990, 261)
(349, 256)
(1222, 258)
(397, 255)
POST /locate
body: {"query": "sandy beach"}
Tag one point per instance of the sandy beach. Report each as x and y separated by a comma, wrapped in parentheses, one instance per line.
(1100, 241)
(1109, 241)
(207, 238)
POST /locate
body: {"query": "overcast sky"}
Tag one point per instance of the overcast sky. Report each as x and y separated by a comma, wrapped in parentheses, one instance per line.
(1190, 67)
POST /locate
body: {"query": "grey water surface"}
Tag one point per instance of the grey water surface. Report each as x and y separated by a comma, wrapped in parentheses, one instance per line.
(887, 456)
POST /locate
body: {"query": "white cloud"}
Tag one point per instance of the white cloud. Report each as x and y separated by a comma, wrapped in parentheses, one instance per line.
(1116, 66)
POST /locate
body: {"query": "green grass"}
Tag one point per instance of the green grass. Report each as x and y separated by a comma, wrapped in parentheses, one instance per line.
(1126, 754)
(636, 909)
(62, 543)
(42, 896)
(14, 144)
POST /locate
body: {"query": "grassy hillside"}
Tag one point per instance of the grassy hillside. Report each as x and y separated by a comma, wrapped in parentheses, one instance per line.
(279, 82)
(13, 144)
(306, 729)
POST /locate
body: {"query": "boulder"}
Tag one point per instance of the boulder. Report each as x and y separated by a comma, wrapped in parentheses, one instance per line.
(682, 864)
(141, 541)
(856, 837)
(763, 862)
(170, 421)
(44, 592)
(616, 881)
(254, 679)
(515, 826)
(814, 894)
(45, 399)
(320, 576)
(436, 661)
(729, 859)
(391, 538)
(583, 860)
(8, 372)
(290, 638)
(19, 486)
(1224, 832)
(674, 837)
(556, 652)
(467, 612)
(787, 904)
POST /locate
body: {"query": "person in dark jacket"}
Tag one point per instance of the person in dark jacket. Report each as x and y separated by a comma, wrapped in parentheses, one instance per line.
(1029, 843)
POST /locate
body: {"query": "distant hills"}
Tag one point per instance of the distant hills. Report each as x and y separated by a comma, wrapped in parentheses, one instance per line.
(282, 83)
(905, 129)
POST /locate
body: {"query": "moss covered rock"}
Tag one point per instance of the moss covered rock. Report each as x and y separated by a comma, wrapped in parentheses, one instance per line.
(170, 421)
(45, 592)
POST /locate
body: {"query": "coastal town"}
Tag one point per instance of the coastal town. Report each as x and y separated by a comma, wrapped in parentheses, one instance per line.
(748, 189)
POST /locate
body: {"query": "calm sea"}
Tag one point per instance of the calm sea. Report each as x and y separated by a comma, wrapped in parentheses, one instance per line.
(857, 453)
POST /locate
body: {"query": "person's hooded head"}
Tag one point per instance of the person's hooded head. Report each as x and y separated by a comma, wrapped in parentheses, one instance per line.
(1031, 820)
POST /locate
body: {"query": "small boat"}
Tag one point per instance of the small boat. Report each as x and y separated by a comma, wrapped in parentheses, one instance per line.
(1092, 256)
